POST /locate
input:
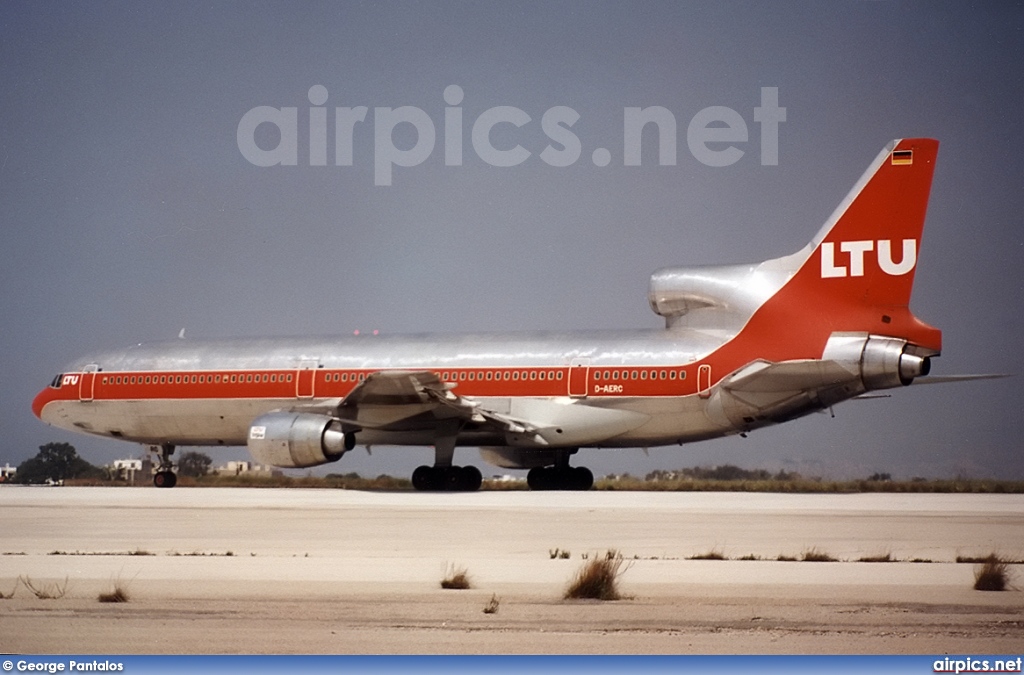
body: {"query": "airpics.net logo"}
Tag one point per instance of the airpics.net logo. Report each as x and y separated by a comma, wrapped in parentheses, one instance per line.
(713, 135)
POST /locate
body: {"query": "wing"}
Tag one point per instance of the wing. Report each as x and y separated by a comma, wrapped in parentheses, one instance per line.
(402, 399)
(419, 400)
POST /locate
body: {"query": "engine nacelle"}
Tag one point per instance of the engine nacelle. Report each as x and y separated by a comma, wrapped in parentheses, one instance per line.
(882, 362)
(296, 440)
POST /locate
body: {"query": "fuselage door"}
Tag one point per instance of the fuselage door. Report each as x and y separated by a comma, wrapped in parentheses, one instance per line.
(704, 380)
(87, 384)
(305, 378)
(579, 377)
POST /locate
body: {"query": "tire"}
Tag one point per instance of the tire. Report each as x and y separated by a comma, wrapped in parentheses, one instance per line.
(582, 478)
(540, 478)
(165, 479)
(472, 479)
(423, 478)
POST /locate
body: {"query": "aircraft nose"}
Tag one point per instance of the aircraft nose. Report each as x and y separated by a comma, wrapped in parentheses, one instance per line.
(39, 402)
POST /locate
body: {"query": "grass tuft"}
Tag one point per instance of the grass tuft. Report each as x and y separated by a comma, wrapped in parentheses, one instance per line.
(492, 605)
(883, 558)
(814, 555)
(713, 554)
(992, 575)
(456, 578)
(598, 579)
(119, 594)
(52, 591)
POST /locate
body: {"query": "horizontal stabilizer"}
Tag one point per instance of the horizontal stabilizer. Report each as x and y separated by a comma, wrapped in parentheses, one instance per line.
(959, 378)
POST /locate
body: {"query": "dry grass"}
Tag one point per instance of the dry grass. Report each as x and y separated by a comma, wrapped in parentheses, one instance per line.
(814, 555)
(492, 605)
(713, 554)
(992, 575)
(882, 558)
(456, 578)
(559, 553)
(8, 596)
(598, 579)
(52, 591)
(119, 594)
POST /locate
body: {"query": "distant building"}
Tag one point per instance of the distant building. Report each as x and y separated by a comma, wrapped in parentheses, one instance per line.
(7, 472)
(506, 478)
(237, 468)
(127, 469)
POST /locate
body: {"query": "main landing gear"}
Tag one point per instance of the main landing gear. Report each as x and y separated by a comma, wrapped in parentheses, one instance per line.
(164, 476)
(447, 478)
(561, 476)
(443, 477)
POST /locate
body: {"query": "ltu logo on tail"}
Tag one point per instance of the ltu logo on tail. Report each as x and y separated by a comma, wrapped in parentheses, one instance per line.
(856, 251)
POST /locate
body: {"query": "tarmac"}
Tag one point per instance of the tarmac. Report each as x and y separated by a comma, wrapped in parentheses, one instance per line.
(240, 570)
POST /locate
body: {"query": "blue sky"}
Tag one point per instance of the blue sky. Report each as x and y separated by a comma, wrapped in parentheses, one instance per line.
(129, 211)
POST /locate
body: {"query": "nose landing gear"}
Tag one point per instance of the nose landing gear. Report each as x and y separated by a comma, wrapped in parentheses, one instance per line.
(164, 476)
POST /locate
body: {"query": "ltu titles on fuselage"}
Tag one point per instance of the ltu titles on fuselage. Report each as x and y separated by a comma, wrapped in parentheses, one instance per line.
(707, 131)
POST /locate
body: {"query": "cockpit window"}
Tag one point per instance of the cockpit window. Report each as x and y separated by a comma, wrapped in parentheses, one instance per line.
(57, 380)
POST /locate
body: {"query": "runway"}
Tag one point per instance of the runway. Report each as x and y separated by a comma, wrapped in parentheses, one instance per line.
(287, 570)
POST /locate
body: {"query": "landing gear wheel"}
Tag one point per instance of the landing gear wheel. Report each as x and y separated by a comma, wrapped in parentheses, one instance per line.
(164, 476)
(165, 479)
(472, 479)
(424, 478)
(447, 478)
(582, 478)
(560, 478)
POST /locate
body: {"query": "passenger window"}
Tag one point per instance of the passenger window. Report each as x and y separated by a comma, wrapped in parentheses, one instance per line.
(559, 375)
(682, 374)
(633, 375)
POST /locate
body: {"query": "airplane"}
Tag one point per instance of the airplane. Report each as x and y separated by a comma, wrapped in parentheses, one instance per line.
(743, 347)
